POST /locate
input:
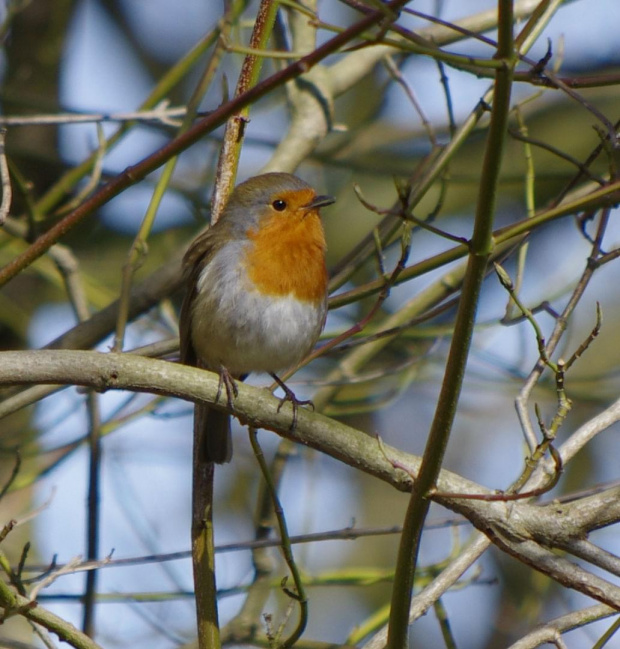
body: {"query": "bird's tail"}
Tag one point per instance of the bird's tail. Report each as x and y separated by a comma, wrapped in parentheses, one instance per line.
(213, 427)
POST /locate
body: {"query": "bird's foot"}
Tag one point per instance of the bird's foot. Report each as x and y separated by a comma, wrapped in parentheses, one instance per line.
(289, 395)
(228, 382)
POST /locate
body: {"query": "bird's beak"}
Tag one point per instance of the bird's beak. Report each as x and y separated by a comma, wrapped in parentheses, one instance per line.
(320, 201)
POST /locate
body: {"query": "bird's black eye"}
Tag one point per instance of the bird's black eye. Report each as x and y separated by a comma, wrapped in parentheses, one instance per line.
(279, 205)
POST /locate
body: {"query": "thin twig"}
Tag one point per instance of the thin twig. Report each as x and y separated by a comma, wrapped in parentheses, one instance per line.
(14, 471)
(299, 595)
(160, 113)
(95, 175)
(5, 180)
(560, 326)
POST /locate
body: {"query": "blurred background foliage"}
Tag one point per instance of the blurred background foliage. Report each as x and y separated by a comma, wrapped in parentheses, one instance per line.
(112, 55)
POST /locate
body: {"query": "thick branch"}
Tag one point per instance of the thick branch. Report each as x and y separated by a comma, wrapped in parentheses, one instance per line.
(521, 529)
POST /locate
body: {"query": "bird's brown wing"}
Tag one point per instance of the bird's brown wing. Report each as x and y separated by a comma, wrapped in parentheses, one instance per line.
(195, 258)
(211, 427)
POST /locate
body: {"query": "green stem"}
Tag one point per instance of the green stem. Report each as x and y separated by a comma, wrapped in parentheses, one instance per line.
(14, 604)
(481, 247)
(285, 539)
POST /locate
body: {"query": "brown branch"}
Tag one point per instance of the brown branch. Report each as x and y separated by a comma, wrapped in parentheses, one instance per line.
(139, 171)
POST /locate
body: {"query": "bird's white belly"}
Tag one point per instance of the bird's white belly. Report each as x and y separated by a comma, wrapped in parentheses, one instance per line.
(246, 331)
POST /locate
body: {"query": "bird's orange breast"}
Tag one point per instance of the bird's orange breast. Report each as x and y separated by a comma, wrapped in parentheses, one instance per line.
(287, 256)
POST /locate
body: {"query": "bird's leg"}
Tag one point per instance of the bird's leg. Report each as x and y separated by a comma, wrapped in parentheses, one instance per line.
(228, 382)
(289, 395)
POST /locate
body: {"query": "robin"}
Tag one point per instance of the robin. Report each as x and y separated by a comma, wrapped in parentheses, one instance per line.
(257, 292)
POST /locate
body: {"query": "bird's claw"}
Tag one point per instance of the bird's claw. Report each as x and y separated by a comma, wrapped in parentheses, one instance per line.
(228, 382)
(289, 396)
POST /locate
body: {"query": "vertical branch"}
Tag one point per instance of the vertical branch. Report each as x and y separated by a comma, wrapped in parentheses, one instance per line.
(481, 246)
(233, 137)
(203, 546)
(68, 266)
(94, 512)
(203, 553)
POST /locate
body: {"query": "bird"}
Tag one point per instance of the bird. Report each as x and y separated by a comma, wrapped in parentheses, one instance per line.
(256, 293)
